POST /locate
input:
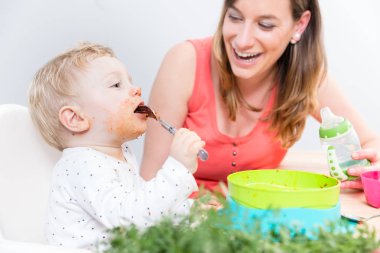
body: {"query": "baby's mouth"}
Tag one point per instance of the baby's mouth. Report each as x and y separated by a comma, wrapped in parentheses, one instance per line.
(147, 111)
(139, 107)
(249, 57)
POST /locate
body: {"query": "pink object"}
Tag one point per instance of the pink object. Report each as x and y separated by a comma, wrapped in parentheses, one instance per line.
(371, 185)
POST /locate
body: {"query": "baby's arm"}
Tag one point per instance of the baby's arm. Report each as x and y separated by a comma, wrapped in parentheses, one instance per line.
(115, 202)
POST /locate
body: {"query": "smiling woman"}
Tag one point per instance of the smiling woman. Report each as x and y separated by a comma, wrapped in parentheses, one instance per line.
(249, 89)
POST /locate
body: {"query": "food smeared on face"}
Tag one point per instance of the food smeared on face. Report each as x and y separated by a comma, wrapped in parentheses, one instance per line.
(125, 124)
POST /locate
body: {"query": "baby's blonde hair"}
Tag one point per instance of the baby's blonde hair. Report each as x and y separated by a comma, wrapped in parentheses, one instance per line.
(54, 85)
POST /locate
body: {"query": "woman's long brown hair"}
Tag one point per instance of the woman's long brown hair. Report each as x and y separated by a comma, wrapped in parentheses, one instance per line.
(301, 68)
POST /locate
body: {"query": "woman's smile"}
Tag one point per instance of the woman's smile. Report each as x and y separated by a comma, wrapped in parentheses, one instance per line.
(246, 58)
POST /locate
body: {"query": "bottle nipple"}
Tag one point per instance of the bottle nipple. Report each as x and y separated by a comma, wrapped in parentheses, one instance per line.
(329, 119)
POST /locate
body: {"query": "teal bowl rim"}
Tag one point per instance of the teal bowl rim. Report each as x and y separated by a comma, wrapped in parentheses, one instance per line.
(329, 188)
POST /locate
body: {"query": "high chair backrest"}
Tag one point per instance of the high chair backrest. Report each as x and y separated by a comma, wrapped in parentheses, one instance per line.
(26, 162)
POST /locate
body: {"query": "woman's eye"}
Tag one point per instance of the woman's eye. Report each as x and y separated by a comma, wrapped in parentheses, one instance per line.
(266, 26)
(234, 18)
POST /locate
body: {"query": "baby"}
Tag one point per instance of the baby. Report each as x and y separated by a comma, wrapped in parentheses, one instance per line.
(83, 103)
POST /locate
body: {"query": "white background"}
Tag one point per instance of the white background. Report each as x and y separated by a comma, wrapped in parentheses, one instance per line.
(141, 32)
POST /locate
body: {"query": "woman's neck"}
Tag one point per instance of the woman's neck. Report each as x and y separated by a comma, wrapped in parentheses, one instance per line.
(256, 91)
(258, 83)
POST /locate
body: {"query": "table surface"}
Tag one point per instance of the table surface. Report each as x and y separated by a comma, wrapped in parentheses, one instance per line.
(352, 201)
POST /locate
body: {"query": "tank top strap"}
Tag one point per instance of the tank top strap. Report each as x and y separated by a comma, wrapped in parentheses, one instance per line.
(202, 80)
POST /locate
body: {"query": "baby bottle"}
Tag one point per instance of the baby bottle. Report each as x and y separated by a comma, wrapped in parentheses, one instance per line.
(339, 139)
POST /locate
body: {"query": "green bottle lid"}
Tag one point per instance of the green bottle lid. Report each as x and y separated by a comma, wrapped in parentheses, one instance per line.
(339, 129)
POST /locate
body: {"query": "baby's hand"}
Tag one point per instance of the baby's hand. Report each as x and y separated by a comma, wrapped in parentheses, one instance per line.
(185, 147)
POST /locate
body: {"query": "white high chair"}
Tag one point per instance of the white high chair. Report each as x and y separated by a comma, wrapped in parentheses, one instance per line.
(26, 162)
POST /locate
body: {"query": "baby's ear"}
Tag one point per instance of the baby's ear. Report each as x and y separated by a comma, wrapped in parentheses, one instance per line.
(73, 119)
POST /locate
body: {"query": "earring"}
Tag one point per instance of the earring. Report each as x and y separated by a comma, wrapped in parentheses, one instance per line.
(296, 37)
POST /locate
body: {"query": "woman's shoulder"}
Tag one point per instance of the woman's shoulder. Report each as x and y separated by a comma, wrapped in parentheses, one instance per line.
(178, 65)
(202, 43)
(177, 73)
(189, 48)
(181, 51)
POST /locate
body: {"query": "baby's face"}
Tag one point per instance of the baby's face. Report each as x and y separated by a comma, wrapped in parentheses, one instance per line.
(108, 100)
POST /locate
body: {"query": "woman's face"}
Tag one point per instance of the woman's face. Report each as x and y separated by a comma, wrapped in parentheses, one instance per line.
(256, 33)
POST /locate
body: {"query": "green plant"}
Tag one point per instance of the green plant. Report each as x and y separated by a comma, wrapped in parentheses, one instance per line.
(210, 231)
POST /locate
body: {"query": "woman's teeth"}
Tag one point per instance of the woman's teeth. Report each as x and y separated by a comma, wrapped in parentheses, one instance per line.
(246, 56)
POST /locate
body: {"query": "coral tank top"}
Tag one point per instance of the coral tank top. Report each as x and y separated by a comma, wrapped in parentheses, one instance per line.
(256, 150)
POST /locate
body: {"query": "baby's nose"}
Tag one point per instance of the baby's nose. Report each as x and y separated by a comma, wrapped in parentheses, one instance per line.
(136, 91)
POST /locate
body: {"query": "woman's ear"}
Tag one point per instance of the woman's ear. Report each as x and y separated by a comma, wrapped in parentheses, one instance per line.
(300, 27)
(73, 120)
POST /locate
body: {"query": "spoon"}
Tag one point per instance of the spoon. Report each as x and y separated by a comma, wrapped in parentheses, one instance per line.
(359, 219)
(202, 154)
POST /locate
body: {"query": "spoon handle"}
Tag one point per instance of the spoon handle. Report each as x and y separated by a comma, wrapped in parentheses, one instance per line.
(171, 129)
(202, 154)
(359, 219)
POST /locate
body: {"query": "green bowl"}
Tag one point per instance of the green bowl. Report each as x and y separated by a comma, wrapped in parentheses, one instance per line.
(275, 188)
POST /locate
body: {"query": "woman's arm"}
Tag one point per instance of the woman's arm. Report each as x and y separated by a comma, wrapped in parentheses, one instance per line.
(169, 97)
(332, 96)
